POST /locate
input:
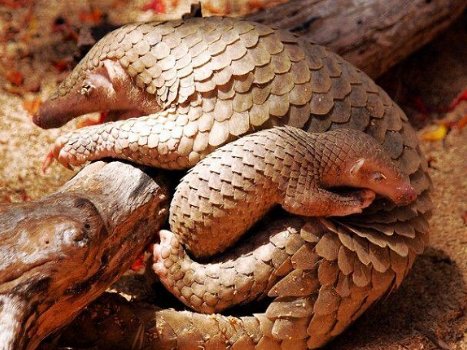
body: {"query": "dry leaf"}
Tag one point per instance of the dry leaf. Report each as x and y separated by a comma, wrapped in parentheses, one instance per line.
(92, 17)
(15, 77)
(437, 133)
(155, 5)
(32, 106)
(461, 123)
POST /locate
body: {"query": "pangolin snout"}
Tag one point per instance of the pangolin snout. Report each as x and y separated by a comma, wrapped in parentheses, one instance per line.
(47, 117)
(56, 112)
(405, 194)
(41, 120)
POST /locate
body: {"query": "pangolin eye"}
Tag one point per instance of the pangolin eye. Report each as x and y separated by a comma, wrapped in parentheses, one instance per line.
(378, 177)
(86, 88)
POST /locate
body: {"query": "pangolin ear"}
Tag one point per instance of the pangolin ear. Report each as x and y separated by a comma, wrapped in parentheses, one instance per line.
(114, 72)
(356, 166)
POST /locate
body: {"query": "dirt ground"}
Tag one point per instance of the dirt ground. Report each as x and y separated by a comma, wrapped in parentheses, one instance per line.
(427, 312)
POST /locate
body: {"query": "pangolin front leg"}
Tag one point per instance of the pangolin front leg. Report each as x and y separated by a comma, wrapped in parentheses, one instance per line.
(157, 140)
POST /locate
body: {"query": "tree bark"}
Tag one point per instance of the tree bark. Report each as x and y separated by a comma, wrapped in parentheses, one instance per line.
(373, 35)
(61, 252)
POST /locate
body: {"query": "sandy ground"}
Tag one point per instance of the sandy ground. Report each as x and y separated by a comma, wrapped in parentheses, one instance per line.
(428, 312)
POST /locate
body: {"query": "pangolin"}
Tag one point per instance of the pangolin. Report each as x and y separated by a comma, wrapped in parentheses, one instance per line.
(177, 91)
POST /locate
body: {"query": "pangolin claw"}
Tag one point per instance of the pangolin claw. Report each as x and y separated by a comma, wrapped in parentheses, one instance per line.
(58, 152)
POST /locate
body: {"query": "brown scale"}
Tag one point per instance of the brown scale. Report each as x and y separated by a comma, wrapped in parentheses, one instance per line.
(216, 80)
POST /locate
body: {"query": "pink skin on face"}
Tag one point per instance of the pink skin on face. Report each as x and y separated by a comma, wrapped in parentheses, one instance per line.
(382, 177)
(106, 88)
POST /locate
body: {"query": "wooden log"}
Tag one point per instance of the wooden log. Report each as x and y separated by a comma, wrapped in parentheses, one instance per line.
(373, 35)
(61, 252)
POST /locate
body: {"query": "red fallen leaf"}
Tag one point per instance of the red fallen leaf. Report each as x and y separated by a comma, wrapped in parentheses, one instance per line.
(24, 196)
(464, 217)
(14, 4)
(93, 17)
(461, 123)
(461, 97)
(15, 77)
(62, 65)
(6, 199)
(32, 106)
(139, 264)
(155, 5)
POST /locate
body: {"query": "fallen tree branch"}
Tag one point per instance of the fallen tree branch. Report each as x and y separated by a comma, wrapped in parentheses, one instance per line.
(61, 252)
(373, 35)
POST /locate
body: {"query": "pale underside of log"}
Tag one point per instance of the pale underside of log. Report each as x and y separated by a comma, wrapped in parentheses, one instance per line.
(373, 35)
(61, 252)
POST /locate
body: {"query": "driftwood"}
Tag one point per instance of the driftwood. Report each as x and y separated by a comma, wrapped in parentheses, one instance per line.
(61, 252)
(373, 35)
